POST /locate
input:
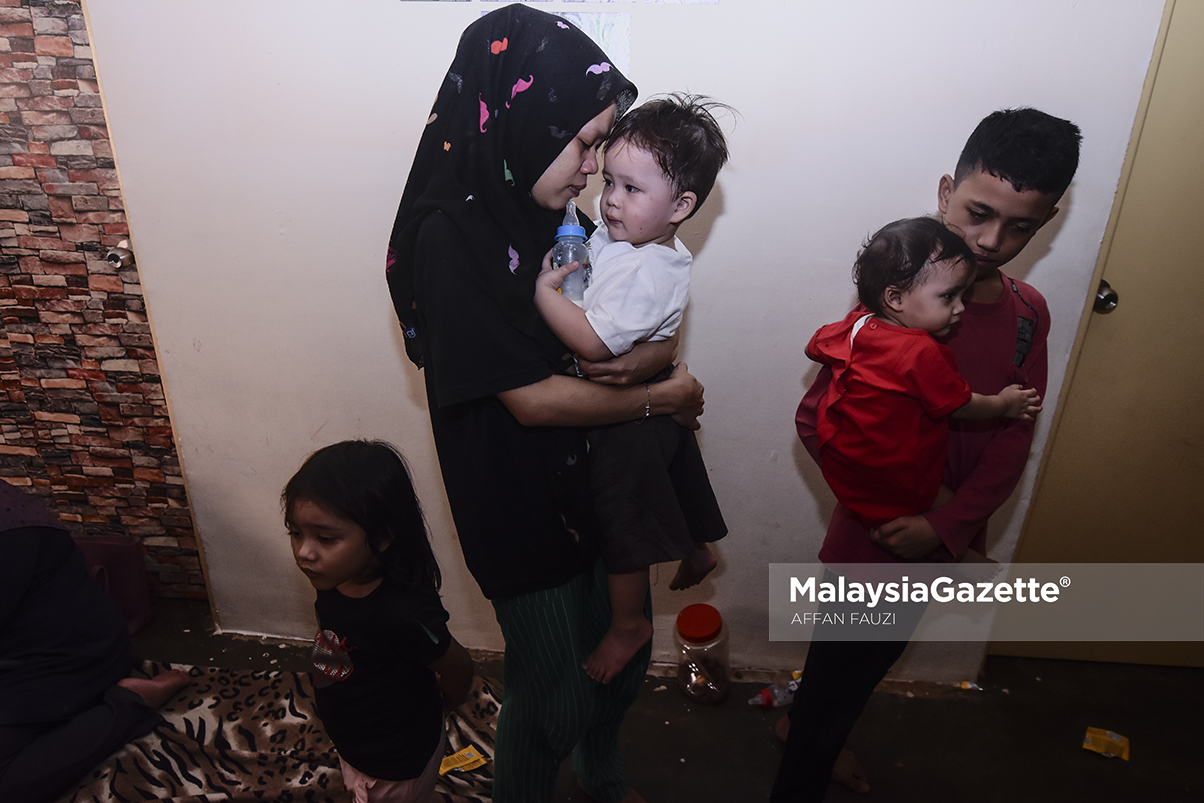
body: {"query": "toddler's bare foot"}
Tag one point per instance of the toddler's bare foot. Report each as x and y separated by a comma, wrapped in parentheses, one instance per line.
(848, 772)
(692, 569)
(157, 690)
(618, 646)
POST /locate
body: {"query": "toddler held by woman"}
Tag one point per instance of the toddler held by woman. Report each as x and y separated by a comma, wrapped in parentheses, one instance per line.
(650, 487)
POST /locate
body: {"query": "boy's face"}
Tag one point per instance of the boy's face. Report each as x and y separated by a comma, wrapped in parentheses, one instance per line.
(934, 303)
(996, 220)
(638, 202)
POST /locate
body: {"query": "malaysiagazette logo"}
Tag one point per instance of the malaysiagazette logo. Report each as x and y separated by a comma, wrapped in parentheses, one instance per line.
(941, 589)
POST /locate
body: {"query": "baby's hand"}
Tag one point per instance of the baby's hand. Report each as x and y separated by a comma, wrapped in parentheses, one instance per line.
(553, 277)
(547, 262)
(1023, 403)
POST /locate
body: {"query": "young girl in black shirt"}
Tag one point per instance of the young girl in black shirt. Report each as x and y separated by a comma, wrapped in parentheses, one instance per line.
(385, 669)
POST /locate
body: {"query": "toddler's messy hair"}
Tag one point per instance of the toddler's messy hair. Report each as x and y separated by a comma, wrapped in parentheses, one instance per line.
(897, 254)
(681, 133)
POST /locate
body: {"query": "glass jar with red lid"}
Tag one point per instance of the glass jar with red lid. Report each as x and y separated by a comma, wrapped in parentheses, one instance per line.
(702, 654)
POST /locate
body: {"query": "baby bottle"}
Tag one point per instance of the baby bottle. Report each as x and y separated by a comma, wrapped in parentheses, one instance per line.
(570, 247)
(702, 654)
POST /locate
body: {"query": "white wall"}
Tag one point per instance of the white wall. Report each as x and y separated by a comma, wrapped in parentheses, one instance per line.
(263, 147)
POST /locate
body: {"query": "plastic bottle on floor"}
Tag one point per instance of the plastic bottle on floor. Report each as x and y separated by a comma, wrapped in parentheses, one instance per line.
(776, 695)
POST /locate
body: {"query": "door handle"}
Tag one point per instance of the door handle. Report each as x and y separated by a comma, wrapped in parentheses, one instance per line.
(1106, 298)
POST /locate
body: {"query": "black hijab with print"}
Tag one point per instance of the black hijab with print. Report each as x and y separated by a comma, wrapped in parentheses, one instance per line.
(522, 84)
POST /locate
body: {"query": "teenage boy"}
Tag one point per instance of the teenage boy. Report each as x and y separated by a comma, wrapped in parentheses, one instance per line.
(1009, 178)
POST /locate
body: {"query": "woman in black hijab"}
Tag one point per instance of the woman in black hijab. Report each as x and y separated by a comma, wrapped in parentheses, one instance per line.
(512, 137)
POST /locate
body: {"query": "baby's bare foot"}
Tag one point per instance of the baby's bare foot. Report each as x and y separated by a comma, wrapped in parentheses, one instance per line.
(157, 690)
(694, 568)
(618, 646)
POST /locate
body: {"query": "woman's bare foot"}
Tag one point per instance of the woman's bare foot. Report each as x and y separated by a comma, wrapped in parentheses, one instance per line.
(632, 796)
(692, 569)
(618, 646)
(847, 771)
(157, 690)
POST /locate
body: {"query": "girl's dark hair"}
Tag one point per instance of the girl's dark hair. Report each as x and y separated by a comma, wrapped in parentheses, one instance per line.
(681, 133)
(367, 483)
(896, 255)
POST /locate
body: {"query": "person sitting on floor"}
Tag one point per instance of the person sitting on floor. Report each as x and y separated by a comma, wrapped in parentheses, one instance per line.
(66, 702)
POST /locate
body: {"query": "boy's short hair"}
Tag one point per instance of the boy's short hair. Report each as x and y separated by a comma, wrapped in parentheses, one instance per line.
(1028, 148)
(681, 133)
(896, 254)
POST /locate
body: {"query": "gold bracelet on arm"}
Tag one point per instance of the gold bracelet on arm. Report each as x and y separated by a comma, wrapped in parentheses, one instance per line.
(647, 404)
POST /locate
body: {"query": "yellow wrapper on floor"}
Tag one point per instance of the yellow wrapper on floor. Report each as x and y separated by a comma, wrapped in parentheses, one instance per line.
(467, 759)
(1106, 743)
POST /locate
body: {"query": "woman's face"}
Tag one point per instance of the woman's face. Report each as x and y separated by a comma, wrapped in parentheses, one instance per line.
(566, 177)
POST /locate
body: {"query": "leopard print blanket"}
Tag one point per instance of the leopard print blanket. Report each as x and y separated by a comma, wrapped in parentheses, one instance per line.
(234, 736)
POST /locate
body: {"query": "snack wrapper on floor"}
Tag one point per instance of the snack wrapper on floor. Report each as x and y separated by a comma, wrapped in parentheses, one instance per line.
(467, 759)
(1106, 743)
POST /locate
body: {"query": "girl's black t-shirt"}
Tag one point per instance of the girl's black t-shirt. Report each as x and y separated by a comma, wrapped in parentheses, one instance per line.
(379, 702)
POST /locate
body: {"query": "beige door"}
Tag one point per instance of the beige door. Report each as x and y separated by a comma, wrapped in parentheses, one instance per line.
(1124, 475)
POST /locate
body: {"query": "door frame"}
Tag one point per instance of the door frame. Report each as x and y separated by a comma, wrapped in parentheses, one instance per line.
(1105, 251)
(1143, 652)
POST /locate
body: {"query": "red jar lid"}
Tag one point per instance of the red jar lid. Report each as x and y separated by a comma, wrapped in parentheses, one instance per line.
(699, 622)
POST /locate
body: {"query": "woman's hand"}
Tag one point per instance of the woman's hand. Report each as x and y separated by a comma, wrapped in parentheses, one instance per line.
(566, 401)
(644, 361)
(685, 396)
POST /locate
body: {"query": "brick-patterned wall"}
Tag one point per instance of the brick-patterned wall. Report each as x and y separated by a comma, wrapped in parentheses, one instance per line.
(83, 418)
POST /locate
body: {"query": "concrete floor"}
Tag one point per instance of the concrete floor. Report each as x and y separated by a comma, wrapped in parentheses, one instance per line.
(1019, 739)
